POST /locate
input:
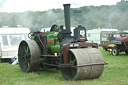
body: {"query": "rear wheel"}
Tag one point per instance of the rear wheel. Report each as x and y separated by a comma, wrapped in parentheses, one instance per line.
(115, 51)
(126, 52)
(104, 48)
(28, 56)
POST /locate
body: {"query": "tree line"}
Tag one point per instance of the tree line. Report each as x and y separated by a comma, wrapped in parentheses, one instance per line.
(91, 17)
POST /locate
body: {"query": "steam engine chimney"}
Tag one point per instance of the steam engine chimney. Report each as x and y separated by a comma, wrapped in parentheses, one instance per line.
(67, 19)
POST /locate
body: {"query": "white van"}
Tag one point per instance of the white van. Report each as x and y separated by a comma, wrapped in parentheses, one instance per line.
(94, 35)
(9, 41)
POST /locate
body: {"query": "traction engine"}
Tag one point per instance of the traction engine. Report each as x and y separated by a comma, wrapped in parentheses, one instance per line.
(76, 58)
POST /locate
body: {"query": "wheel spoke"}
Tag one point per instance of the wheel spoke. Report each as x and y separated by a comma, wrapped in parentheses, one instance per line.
(72, 60)
(27, 49)
(29, 62)
(27, 58)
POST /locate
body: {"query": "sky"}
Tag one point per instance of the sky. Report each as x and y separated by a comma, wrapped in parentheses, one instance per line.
(42, 5)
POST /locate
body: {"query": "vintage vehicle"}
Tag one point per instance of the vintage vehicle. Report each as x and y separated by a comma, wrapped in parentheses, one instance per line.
(58, 49)
(115, 42)
(9, 41)
(120, 44)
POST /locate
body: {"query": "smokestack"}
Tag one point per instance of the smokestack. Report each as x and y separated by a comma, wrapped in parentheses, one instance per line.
(67, 19)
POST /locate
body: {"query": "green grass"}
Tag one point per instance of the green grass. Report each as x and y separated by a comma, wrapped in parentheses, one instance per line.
(116, 73)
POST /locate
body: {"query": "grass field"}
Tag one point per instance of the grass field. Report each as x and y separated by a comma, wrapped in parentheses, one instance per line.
(116, 73)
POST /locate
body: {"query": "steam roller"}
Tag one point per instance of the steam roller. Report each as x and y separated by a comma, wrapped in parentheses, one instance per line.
(76, 58)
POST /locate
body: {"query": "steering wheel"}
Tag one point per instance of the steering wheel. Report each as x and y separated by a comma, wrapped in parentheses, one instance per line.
(54, 28)
(30, 34)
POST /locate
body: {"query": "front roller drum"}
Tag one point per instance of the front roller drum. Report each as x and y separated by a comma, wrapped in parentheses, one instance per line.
(88, 63)
(28, 56)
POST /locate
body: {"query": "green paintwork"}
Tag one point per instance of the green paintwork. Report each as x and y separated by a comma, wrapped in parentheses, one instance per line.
(52, 42)
(32, 38)
(55, 46)
(55, 49)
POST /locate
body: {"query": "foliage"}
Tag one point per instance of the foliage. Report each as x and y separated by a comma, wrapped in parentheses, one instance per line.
(104, 16)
